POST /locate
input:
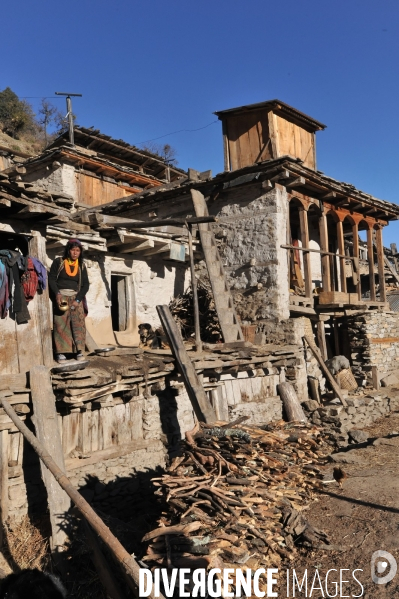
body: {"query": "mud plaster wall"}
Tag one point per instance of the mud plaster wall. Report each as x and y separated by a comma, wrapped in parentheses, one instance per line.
(365, 331)
(149, 282)
(251, 227)
(61, 179)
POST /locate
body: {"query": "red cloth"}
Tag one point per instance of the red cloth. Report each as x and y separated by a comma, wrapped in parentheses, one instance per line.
(29, 281)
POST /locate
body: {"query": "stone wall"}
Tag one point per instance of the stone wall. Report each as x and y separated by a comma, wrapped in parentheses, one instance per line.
(252, 225)
(374, 341)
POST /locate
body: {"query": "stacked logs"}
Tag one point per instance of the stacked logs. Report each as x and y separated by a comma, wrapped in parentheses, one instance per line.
(182, 309)
(236, 497)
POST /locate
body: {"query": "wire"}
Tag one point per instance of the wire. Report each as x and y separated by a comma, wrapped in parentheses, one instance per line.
(173, 133)
(40, 97)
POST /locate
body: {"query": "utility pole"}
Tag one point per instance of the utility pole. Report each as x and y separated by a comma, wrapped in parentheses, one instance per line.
(69, 113)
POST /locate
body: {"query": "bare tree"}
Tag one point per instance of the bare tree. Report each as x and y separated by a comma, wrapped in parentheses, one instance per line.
(48, 114)
(166, 152)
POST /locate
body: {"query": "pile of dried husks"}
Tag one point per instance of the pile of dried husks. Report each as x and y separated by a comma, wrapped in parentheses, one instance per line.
(235, 498)
(182, 309)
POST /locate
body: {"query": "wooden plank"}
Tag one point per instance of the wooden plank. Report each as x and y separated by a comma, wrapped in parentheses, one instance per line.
(325, 370)
(3, 482)
(37, 249)
(355, 264)
(13, 381)
(195, 390)
(375, 377)
(46, 425)
(83, 443)
(93, 429)
(136, 419)
(385, 340)
(321, 338)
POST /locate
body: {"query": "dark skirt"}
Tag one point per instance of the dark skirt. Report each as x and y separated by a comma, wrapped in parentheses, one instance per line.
(69, 328)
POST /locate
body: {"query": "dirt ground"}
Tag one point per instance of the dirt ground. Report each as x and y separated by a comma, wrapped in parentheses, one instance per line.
(360, 519)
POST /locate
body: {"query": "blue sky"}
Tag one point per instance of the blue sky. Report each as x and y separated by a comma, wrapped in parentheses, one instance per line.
(149, 68)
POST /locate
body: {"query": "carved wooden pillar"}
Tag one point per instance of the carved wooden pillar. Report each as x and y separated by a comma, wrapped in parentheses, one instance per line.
(380, 258)
(370, 257)
(341, 249)
(356, 266)
(303, 221)
(325, 260)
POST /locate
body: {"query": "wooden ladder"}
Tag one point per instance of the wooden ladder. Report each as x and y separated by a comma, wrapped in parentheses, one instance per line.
(224, 302)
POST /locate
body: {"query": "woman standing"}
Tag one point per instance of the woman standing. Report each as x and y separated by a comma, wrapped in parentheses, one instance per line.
(69, 284)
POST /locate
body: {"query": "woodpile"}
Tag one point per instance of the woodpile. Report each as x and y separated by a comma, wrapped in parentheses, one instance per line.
(101, 383)
(237, 496)
(182, 309)
(241, 356)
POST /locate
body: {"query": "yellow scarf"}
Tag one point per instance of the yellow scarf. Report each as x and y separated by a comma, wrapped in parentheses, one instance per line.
(71, 267)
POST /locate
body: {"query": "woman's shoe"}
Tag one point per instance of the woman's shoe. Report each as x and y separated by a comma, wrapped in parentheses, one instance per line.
(61, 358)
(80, 356)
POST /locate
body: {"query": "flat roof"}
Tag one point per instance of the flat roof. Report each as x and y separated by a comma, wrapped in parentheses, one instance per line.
(277, 106)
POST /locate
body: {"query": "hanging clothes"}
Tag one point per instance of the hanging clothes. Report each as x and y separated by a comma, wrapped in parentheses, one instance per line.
(29, 281)
(4, 291)
(41, 273)
(14, 261)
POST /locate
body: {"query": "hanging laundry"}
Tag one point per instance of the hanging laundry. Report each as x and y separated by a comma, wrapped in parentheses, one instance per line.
(4, 291)
(13, 261)
(29, 281)
(41, 273)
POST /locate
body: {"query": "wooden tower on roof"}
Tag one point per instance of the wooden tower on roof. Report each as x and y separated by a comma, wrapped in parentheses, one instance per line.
(265, 131)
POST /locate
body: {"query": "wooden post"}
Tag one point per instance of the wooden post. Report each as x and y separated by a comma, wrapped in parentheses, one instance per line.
(303, 222)
(128, 562)
(355, 235)
(46, 425)
(198, 342)
(325, 260)
(381, 262)
(292, 407)
(200, 402)
(3, 482)
(341, 249)
(375, 377)
(325, 370)
(336, 337)
(370, 257)
(321, 338)
(37, 249)
(226, 149)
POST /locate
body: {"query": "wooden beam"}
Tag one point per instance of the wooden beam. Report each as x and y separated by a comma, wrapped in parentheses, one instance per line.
(284, 174)
(328, 196)
(296, 182)
(321, 338)
(96, 218)
(380, 261)
(137, 247)
(200, 402)
(325, 370)
(45, 421)
(370, 257)
(157, 249)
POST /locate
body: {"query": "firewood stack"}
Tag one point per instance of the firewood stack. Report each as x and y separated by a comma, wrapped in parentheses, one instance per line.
(182, 309)
(236, 497)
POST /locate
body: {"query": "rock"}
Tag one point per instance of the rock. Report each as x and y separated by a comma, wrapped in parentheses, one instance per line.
(311, 405)
(391, 379)
(383, 441)
(348, 457)
(358, 436)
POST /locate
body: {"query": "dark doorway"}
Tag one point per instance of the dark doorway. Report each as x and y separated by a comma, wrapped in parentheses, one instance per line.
(119, 302)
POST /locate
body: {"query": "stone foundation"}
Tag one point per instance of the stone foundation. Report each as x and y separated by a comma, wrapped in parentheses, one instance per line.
(374, 341)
